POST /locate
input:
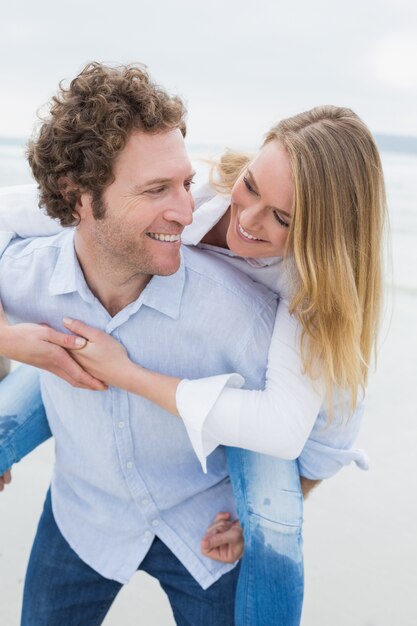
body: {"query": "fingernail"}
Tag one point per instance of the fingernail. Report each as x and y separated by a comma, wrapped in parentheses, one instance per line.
(80, 342)
(67, 321)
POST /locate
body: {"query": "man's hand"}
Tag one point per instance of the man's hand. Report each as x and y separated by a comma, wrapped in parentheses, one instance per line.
(44, 347)
(307, 485)
(223, 540)
(5, 479)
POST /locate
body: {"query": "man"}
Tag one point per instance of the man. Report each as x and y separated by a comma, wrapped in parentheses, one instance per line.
(127, 490)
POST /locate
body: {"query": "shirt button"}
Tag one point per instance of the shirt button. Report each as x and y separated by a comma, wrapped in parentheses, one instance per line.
(148, 534)
(144, 502)
(121, 424)
(129, 465)
(155, 522)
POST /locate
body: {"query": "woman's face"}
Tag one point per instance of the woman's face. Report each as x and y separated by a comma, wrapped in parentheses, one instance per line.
(262, 205)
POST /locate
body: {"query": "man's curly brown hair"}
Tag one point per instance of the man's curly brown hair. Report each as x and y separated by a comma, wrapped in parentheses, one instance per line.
(88, 126)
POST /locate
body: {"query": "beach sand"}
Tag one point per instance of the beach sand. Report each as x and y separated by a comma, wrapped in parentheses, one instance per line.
(360, 534)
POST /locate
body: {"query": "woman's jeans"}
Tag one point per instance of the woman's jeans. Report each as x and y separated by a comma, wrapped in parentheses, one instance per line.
(268, 496)
(270, 504)
(23, 423)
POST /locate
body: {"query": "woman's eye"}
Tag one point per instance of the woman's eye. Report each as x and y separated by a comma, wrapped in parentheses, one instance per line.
(280, 220)
(249, 186)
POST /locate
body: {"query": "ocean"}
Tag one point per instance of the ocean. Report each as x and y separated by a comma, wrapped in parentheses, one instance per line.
(401, 180)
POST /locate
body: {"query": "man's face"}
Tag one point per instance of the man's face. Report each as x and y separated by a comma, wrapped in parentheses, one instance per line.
(146, 207)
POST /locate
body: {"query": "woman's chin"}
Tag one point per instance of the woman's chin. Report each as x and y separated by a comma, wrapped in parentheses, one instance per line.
(243, 248)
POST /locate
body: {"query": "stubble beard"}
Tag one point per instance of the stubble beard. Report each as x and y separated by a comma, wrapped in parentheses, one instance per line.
(118, 252)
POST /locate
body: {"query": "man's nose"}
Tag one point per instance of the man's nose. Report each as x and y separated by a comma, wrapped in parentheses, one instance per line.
(181, 210)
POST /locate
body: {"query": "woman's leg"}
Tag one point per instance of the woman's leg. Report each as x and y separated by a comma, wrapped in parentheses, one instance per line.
(270, 509)
(23, 423)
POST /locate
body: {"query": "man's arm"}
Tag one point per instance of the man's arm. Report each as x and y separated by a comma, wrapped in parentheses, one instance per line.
(5, 479)
(223, 540)
(4, 367)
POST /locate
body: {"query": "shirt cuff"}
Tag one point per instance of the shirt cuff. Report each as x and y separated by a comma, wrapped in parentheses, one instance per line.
(195, 399)
(318, 461)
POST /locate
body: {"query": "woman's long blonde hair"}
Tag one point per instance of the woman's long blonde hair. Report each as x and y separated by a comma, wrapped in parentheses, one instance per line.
(335, 239)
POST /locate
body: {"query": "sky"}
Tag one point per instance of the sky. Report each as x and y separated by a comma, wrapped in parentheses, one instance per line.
(240, 66)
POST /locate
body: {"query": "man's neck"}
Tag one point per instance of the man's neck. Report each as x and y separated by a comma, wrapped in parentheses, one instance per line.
(113, 286)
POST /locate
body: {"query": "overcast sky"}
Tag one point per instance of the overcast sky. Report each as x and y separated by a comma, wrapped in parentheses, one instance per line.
(240, 65)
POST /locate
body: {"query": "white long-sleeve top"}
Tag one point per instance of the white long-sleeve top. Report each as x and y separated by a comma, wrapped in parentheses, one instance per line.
(287, 418)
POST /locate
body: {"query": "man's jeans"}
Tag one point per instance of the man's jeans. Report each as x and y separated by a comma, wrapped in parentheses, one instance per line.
(268, 497)
(61, 590)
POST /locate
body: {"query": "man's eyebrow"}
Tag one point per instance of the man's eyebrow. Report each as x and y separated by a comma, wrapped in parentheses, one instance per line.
(158, 181)
(255, 186)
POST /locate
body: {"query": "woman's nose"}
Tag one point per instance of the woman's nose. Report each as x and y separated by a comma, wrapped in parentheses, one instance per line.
(251, 216)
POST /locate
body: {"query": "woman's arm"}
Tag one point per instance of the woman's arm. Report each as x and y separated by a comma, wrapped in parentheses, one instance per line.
(20, 213)
(275, 421)
(46, 348)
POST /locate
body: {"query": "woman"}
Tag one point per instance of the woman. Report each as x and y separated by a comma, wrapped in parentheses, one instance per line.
(315, 196)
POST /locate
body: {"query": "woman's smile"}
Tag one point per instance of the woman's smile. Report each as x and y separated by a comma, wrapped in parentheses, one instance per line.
(241, 232)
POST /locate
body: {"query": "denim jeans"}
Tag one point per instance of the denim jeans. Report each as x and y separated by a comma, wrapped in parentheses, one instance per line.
(23, 423)
(60, 589)
(270, 505)
(268, 497)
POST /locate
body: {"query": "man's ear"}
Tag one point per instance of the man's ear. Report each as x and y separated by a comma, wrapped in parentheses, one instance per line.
(72, 194)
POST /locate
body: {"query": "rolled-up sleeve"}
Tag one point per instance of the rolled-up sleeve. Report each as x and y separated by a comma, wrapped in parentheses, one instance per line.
(331, 446)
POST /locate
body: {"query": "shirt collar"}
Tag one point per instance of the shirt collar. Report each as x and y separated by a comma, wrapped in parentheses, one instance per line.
(63, 278)
(206, 216)
(163, 293)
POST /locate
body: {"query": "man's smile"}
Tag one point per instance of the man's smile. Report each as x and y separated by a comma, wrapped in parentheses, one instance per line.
(163, 237)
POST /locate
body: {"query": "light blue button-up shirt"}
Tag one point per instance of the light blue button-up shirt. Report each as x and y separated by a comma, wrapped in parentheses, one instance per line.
(125, 470)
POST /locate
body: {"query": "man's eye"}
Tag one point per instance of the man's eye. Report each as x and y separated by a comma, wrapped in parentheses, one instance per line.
(156, 191)
(188, 184)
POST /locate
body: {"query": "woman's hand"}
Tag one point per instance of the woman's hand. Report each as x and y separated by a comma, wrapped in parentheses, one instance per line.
(223, 540)
(106, 359)
(103, 356)
(44, 347)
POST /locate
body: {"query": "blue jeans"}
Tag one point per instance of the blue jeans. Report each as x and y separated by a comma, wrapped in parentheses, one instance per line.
(270, 508)
(23, 423)
(60, 589)
(268, 497)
